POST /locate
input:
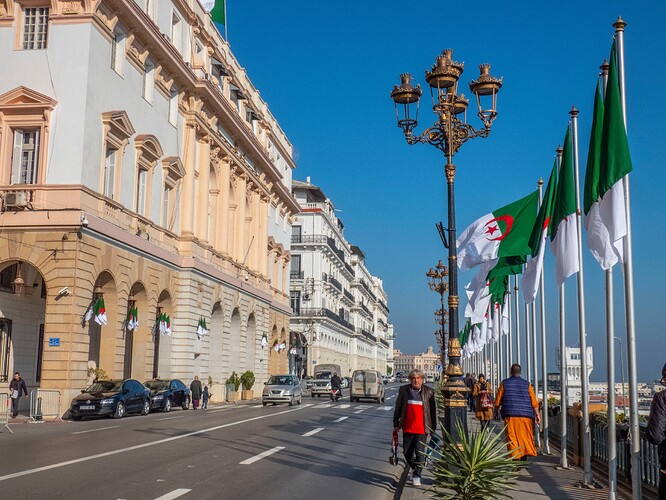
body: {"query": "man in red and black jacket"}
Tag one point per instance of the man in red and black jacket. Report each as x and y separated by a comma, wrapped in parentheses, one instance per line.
(416, 414)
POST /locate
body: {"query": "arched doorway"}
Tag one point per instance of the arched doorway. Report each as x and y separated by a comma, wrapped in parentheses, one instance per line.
(162, 337)
(22, 317)
(250, 344)
(216, 342)
(233, 344)
(102, 337)
(138, 339)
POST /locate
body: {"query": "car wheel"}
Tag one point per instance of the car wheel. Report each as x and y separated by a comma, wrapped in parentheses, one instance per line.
(146, 407)
(300, 399)
(186, 403)
(264, 404)
(120, 410)
(167, 406)
(291, 401)
(77, 418)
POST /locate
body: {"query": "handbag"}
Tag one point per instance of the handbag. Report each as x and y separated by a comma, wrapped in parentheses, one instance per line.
(15, 394)
(486, 402)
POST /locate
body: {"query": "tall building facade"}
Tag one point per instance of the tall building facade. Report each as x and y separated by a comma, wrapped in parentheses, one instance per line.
(428, 362)
(340, 309)
(138, 166)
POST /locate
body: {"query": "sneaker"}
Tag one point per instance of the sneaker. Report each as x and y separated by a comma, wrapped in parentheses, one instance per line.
(416, 481)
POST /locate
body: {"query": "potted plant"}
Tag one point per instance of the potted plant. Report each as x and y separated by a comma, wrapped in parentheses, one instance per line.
(477, 468)
(247, 379)
(233, 383)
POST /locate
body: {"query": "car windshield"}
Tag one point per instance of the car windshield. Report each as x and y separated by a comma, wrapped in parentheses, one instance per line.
(157, 385)
(280, 380)
(323, 375)
(106, 386)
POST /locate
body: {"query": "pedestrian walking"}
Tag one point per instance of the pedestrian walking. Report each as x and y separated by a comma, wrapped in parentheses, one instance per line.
(656, 432)
(16, 388)
(205, 396)
(470, 394)
(196, 389)
(483, 397)
(416, 414)
(519, 407)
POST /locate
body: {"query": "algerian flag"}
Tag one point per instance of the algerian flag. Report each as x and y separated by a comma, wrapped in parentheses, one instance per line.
(497, 327)
(132, 319)
(505, 314)
(608, 163)
(162, 324)
(89, 312)
(167, 326)
(218, 13)
(264, 341)
(201, 327)
(503, 233)
(99, 312)
(534, 268)
(478, 293)
(563, 228)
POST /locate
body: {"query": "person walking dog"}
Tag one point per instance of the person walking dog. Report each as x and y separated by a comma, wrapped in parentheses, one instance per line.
(416, 414)
(520, 410)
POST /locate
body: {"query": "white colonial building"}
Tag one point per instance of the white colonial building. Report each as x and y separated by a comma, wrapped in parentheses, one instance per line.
(138, 165)
(340, 309)
(574, 372)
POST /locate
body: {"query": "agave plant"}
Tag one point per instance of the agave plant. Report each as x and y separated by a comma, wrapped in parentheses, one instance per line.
(479, 467)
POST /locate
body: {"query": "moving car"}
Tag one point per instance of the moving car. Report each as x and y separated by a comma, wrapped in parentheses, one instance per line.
(111, 398)
(165, 394)
(321, 385)
(282, 389)
(367, 384)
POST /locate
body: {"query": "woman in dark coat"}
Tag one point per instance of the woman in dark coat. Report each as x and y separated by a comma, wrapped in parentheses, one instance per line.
(197, 390)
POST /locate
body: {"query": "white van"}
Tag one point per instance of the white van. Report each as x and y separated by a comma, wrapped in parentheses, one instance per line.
(367, 384)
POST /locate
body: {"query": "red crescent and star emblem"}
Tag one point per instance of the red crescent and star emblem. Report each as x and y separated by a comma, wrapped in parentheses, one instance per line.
(492, 226)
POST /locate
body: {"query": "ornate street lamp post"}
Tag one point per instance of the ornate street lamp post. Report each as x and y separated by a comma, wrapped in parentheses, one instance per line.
(448, 133)
(437, 283)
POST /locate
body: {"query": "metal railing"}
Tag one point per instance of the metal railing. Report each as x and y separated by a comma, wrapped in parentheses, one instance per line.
(325, 313)
(296, 275)
(332, 281)
(321, 239)
(366, 334)
(4, 413)
(348, 294)
(44, 403)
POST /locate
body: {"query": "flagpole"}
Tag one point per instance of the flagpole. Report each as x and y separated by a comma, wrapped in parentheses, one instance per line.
(545, 446)
(528, 345)
(535, 368)
(636, 480)
(517, 315)
(610, 355)
(226, 34)
(563, 364)
(509, 352)
(588, 480)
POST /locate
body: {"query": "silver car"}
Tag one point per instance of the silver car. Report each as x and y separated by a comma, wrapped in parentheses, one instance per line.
(282, 389)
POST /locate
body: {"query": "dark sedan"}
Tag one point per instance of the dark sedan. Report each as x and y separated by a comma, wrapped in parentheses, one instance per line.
(111, 398)
(165, 394)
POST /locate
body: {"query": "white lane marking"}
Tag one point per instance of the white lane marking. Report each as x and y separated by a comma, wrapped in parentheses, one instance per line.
(95, 430)
(174, 494)
(385, 408)
(256, 406)
(264, 454)
(360, 411)
(390, 397)
(365, 407)
(340, 420)
(325, 405)
(171, 418)
(312, 432)
(144, 445)
(344, 407)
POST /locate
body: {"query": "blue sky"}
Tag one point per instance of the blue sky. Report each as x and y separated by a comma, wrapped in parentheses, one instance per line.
(326, 69)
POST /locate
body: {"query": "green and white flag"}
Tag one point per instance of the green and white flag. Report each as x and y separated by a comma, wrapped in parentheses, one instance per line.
(99, 312)
(89, 312)
(167, 325)
(534, 268)
(201, 327)
(503, 233)
(608, 162)
(563, 225)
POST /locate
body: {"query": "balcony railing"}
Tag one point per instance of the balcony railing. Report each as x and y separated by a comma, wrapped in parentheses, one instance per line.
(385, 344)
(304, 239)
(366, 334)
(331, 280)
(348, 294)
(324, 313)
(296, 275)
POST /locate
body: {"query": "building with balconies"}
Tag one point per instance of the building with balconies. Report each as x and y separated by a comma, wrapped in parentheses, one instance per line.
(139, 170)
(340, 309)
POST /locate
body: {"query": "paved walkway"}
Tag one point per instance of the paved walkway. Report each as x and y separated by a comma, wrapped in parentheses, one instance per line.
(540, 480)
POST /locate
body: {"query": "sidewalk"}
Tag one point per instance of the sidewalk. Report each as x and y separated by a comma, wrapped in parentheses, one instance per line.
(540, 480)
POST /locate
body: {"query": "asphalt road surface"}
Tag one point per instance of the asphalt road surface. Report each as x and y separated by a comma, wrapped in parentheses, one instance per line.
(319, 450)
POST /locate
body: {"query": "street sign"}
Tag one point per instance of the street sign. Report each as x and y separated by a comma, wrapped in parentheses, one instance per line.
(54, 341)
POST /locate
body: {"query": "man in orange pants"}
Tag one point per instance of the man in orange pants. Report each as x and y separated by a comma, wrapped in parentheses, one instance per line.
(520, 410)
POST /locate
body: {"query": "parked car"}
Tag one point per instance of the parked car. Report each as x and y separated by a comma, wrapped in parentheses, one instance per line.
(366, 384)
(111, 398)
(391, 379)
(165, 394)
(282, 389)
(344, 383)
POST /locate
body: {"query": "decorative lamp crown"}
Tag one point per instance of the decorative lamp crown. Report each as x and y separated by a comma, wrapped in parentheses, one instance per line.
(406, 93)
(446, 72)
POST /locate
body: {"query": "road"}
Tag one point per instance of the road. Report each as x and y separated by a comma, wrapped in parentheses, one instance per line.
(318, 450)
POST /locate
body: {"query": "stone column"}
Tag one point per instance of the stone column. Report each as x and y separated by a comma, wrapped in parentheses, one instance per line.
(203, 197)
(239, 237)
(223, 207)
(188, 195)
